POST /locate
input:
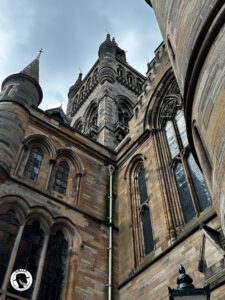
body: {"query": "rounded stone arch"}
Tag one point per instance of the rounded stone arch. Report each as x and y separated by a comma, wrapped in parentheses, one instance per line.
(136, 159)
(125, 101)
(69, 229)
(78, 125)
(73, 157)
(70, 185)
(153, 107)
(17, 203)
(41, 140)
(43, 215)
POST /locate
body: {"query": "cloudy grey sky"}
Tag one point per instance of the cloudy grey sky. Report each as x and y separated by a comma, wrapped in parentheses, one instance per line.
(70, 32)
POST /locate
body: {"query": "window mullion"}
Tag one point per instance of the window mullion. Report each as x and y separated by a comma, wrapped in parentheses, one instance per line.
(40, 267)
(13, 257)
(190, 184)
(180, 144)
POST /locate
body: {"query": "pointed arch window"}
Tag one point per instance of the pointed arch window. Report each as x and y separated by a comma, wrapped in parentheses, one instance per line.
(94, 117)
(191, 185)
(33, 164)
(123, 116)
(27, 245)
(141, 215)
(61, 178)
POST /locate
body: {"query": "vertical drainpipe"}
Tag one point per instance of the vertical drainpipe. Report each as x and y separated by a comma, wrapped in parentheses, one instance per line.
(111, 170)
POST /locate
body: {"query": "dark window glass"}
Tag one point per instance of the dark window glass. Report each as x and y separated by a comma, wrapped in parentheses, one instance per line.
(142, 186)
(28, 254)
(33, 164)
(120, 115)
(185, 197)
(54, 268)
(147, 229)
(199, 183)
(9, 226)
(61, 179)
(125, 118)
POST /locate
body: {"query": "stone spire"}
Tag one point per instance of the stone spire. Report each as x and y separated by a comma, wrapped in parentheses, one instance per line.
(32, 69)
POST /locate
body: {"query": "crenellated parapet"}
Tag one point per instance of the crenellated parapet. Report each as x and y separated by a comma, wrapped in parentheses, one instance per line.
(161, 56)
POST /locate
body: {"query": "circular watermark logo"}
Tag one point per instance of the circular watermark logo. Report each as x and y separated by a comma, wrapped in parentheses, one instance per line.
(21, 280)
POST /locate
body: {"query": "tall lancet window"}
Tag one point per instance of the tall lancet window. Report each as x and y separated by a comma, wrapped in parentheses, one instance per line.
(192, 189)
(33, 165)
(141, 214)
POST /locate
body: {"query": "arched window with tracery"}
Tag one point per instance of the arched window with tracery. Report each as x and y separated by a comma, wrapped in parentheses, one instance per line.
(124, 115)
(33, 164)
(141, 215)
(61, 178)
(91, 121)
(43, 251)
(94, 117)
(191, 185)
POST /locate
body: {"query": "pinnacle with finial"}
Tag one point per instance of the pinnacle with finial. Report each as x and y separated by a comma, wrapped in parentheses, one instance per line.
(39, 53)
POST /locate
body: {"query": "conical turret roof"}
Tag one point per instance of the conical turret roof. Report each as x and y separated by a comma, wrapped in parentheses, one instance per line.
(32, 69)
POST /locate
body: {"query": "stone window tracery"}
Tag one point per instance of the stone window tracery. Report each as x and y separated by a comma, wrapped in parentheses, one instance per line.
(27, 244)
(122, 126)
(33, 164)
(192, 189)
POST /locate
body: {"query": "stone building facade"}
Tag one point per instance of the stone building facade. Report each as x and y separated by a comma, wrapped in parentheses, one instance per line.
(123, 138)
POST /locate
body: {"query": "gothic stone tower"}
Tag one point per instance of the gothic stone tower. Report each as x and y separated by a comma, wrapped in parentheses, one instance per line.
(101, 104)
(53, 212)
